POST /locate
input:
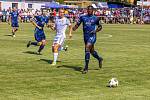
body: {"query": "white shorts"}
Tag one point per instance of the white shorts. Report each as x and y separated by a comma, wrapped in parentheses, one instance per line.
(59, 40)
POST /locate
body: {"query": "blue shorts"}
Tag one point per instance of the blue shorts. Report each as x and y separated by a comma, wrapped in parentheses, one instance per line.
(90, 40)
(39, 35)
(14, 25)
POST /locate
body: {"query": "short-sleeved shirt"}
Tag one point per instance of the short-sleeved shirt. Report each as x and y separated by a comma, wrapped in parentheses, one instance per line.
(41, 20)
(61, 26)
(14, 16)
(89, 24)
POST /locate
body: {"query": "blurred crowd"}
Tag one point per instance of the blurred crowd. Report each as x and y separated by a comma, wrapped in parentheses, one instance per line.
(109, 16)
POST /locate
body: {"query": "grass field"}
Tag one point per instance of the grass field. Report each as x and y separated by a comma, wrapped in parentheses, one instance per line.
(26, 76)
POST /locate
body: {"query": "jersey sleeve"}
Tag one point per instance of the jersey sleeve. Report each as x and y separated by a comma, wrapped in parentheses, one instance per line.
(80, 20)
(17, 13)
(36, 17)
(97, 21)
(46, 20)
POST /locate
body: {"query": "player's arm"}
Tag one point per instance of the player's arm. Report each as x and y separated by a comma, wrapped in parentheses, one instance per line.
(70, 31)
(77, 24)
(19, 16)
(51, 26)
(75, 27)
(70, 28)
(99, 26)
(9, 20)
(34, 23)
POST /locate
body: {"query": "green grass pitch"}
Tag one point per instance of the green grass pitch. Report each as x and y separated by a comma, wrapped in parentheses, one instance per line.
(26, 76)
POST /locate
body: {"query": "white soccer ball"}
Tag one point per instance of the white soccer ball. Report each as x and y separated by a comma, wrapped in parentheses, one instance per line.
(113, 82)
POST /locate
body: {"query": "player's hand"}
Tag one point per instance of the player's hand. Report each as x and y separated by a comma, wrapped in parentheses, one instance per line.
(51, 25)
(74, 28)
(99, 28)
(48, 26)
(39, 27)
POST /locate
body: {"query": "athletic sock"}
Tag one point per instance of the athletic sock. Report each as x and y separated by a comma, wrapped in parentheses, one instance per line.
(95, 55)
(87, 58)
(55, 57)
(34, 43)
(16, 30)
(41, 48)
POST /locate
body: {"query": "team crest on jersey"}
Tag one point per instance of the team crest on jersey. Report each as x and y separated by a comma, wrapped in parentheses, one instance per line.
(92, 21)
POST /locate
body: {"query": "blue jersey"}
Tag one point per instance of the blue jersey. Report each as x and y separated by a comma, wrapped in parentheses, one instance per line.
(39, 33)
(41, 20)
(89, 24)
(89, 27)
(14, 16)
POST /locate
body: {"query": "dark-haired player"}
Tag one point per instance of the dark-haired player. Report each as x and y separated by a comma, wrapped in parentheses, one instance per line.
(39, 22)
(91, 26)
(14, 21)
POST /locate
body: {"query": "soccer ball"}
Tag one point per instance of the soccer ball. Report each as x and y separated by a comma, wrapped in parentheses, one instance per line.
(113, 82)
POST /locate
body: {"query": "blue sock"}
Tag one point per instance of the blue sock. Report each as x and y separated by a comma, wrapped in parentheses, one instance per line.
(87, 58)
(95, 55)
(41, 48)
(34, 43)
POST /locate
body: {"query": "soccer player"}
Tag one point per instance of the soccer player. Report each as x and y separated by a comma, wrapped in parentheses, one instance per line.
(91, 26)
(39, 22)
(60, 25)
(14, 21)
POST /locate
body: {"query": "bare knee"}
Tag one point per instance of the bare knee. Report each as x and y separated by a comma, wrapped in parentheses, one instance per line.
(55, 48)
(88, 47)
(43, 42)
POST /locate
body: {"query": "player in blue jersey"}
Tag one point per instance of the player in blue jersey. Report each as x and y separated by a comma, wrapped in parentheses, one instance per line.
(14, 21)
(91, 26)
(39, 22)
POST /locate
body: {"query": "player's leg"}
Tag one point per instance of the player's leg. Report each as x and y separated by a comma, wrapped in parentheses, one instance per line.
(42, 45)
(87, 57)
(42, 39)
(55, 51)
(13, 31)
(14, 28)
(35, 43)
(62, 47)
(57, 46)
(95, 55)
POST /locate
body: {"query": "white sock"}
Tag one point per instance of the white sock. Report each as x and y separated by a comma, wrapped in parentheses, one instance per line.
(55, 57)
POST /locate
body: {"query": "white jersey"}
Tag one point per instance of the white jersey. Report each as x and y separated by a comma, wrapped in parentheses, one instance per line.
(61, 26)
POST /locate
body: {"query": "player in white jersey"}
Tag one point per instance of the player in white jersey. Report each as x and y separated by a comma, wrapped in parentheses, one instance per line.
(60, 25)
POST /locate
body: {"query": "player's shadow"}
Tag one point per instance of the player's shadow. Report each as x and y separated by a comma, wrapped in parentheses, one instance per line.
(31, 52)
(48, 61)
(76, 68)
(8, 35)
(94, 69)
